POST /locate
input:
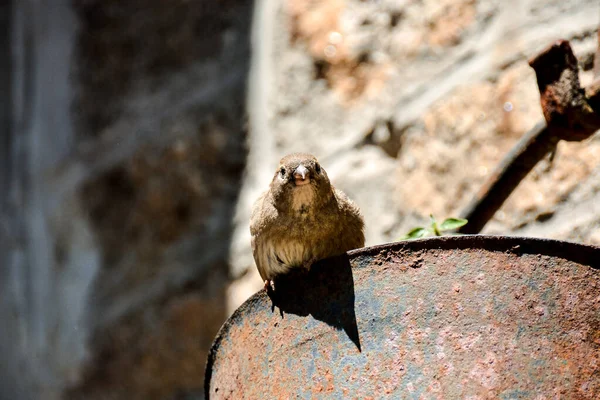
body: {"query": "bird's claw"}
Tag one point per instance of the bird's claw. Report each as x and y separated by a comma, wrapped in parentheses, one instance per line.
(269, 284)
(307, 264)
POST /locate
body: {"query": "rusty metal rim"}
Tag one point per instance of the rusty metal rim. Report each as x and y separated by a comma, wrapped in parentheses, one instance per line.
(577, 252)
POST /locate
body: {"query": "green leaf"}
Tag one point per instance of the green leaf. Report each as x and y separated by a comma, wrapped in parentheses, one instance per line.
(452, 223)
(434, 226)
(415, 233)
(431, 219)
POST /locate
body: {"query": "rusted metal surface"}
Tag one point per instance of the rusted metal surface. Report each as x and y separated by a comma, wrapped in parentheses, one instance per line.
(565, 106)
(440, 318)
(571, 114)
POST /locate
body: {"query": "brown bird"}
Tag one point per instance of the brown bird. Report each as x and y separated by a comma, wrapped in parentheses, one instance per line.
(302, 218)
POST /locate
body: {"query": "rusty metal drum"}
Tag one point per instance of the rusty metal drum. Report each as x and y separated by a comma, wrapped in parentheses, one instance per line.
(465, 317)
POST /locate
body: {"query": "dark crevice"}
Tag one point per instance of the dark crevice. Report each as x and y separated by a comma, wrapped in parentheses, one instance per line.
(321, 69)
(395, 18)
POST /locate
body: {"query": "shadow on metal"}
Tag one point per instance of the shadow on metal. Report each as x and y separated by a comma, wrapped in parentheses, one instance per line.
(449, 317)
(326, 293)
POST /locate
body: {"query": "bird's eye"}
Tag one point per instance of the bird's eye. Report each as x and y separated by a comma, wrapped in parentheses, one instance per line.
(317, 168)
(282, 171)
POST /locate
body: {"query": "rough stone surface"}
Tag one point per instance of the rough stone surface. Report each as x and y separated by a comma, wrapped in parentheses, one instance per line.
(159, 352)
(410, 105)
(162, 213)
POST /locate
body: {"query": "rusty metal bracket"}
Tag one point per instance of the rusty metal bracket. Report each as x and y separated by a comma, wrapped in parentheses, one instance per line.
(571, 113)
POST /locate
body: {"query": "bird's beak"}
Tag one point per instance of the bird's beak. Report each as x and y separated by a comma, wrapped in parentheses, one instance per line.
(301, 176)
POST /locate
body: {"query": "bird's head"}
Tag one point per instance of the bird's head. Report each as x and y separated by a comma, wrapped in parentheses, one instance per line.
(300, 183)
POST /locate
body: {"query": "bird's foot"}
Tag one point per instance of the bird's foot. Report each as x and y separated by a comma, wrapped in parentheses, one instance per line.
(308, 263)
(269, 284)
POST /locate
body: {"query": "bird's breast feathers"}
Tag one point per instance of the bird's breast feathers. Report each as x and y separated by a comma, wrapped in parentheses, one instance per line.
(291, 253)
(276, 257)
(302, 197)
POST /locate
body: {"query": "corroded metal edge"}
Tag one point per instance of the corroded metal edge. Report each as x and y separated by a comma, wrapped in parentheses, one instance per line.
(576, 252)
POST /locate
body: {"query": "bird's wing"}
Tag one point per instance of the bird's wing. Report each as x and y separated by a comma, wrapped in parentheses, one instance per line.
(260, 261)
(259, 224)
(353, 235)
(257, 216)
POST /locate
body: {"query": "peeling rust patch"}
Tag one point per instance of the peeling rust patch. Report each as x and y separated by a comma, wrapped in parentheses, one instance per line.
(444, 318)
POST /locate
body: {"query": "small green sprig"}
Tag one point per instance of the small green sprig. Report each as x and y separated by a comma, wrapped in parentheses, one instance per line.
(435, 228)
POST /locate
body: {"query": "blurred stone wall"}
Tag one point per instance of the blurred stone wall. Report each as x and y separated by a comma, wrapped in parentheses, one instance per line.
(124, 161)
(135, 138)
